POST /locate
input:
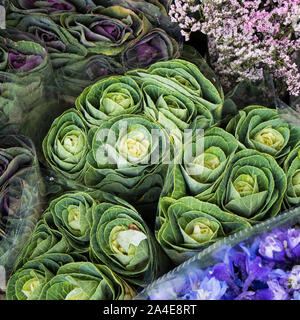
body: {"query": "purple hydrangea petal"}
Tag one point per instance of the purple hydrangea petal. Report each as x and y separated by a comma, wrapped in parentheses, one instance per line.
(279, 293)
(272, 248)
(293, 241)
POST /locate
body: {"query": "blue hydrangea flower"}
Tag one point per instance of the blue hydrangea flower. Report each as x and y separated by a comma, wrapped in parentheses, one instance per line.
(278, 291)
(293, 241)
(272, 248)
(296, 295)
(293, 279)
(266, 267)
(209, 289)
(264, 294)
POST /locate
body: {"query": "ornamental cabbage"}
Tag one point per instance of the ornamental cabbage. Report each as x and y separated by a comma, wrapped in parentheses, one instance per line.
(183, 77)
(205, 160)
(126, 160)
(261, 128)
(189, 225)
(121, 240)
(86, 281)
(109, 97)
(291, 168)
(65, 146)
(253, 186)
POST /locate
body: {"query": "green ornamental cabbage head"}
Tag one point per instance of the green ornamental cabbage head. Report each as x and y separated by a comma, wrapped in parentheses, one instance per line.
(173, 110)
(183, 77)
(86, 281)
(125, 158)
(72, 214)
(189, 225)
(292, 170)
(204, 162)
(45, 240)
(65, 146)
(27, 282)
(253, 186)
(108, 98)
(121, 240)
(260, 128)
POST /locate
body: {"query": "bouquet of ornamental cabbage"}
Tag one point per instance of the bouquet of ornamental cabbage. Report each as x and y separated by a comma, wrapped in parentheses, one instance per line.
(234, 179)
(200, 166)
(108, 39)
(119, 156)
(65, 147)
(262, 129)
(24, 73)
(86, 281)
(66, 279)
(188, 225)
(127, 158)
(20, 195)
(184, 78)
(175, 111)
(97, 225)
(109, 97)
(253, 186)
(121, 240)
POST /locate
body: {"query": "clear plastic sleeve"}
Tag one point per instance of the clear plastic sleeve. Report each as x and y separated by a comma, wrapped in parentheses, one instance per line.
(189, 281)
(25, 76)
(21, 198)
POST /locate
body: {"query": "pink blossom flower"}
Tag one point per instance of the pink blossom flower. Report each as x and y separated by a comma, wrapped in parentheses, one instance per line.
(246, 37)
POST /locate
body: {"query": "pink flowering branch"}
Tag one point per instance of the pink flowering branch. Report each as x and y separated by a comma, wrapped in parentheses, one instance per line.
(246, 37)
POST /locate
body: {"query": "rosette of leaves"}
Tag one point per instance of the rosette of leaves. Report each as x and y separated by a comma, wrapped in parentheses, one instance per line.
(74, 77)
(188, 225)
(122, 241)
(22, 57)
(65, 146)
(108, 98)
(63, 48)
(154, 10)
(108, 30)
(49, 6)
(260, 128)
(183, 77)
(292, 170)
(45, 240)
(253, 186)
(154, 46)
(72, 213)
(17, 157)
(126, 158)
(86, 281)
(24, 71)
(27, 282)
(174, 111)
(204, 160)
